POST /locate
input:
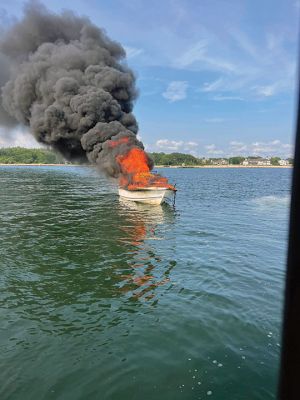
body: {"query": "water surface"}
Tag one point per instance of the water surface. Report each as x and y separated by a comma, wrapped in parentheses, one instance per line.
(102, 299)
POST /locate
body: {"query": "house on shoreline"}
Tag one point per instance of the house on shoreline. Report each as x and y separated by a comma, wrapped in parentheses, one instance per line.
(259, 162)
(283, 163)
(218, 161)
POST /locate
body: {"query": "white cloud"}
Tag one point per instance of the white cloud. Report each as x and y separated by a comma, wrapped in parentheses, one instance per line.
(173, 145)
(197, 39)
(193, 54)
(198, 54)
(191, 144)
(236, 147)
(267, 66)
(176, 91)
(132, 52)
(169, 144)
(235, 143)
(18, 136)
(210, 146)
(228, 86)
(266, 91)
(212, 150)
(213, 86)
(272, 148)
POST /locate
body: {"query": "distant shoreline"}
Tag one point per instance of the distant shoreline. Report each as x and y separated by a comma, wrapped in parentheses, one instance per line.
(156, 166)
(224, 166)
(42, 165)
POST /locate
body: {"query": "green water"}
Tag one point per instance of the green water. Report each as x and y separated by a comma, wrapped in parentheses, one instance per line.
(106, 300)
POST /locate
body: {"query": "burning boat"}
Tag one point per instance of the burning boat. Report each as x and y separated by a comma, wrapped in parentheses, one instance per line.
(148, 195)
(81, 98)
(138, 184)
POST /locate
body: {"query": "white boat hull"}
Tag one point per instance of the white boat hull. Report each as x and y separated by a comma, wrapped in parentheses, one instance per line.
(154, 196)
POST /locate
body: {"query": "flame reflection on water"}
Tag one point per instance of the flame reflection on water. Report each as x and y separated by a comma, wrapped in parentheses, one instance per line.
(146, 221)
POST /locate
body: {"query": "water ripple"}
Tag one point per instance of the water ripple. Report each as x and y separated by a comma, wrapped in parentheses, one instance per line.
(104, 298)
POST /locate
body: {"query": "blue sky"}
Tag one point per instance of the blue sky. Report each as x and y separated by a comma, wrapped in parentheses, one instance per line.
(215, 77)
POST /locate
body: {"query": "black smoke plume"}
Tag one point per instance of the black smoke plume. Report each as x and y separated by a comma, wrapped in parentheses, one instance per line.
(69, 83)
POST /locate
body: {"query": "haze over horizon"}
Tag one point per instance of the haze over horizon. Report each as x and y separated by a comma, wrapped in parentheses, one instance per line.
(214, 79)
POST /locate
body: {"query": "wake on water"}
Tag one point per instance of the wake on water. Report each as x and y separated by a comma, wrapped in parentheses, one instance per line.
(272, 201)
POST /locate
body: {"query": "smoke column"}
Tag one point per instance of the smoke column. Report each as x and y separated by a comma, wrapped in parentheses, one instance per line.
(68, 82)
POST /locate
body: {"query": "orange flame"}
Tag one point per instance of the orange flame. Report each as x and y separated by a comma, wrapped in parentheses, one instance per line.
(136, 172)
(135, 168)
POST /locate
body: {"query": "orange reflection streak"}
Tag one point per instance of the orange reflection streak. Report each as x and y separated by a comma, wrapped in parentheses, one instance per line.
(141, 282)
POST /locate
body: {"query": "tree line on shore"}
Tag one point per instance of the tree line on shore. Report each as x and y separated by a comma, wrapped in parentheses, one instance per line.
(181, 159)
(21, 155)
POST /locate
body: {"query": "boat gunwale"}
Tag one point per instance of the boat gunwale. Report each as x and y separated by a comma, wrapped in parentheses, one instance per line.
(152, 188)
